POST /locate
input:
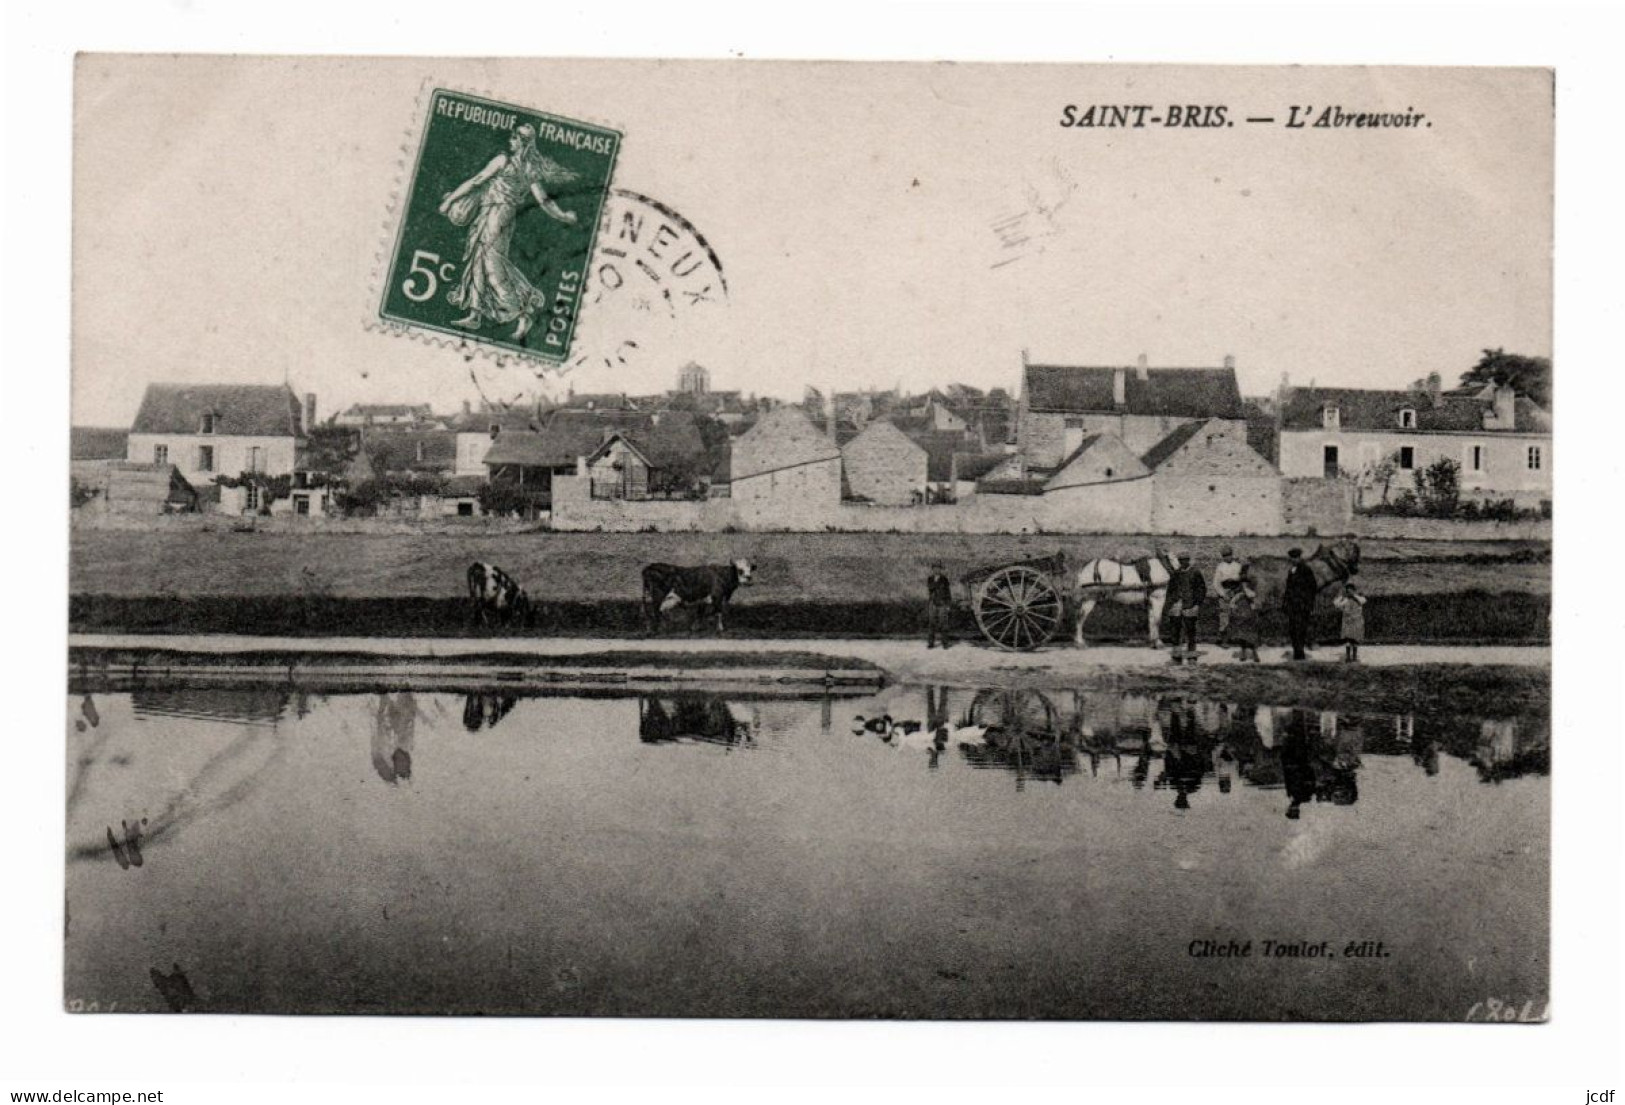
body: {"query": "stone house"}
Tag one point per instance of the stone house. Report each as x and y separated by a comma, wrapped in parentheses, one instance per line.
(882, 465)
(473, 432)
(666, 444)
(206, 430)
(1501, 440)
(1101, 485)
(1060, 405)
(663, 457)
(783, 458)
(1206, 479)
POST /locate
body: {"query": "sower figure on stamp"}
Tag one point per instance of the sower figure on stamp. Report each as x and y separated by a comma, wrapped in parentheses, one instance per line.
(488, 203)
(1299, 600)
(1186, 593)
(939, 606)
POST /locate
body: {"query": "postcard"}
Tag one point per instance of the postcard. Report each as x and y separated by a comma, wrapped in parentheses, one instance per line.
(810, 540)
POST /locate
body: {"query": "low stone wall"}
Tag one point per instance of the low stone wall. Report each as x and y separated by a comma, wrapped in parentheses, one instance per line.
(1449, 529)
(1320, 506)
(292, 523)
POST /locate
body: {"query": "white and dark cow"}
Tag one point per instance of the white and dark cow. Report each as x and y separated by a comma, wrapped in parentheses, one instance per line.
(496, 596)
(666, 586)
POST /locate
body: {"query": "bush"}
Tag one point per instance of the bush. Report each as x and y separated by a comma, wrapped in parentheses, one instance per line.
(79, 494)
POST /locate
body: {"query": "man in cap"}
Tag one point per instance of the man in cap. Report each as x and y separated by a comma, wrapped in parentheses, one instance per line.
(939, 605)
(1302, 588)
(1187, 590)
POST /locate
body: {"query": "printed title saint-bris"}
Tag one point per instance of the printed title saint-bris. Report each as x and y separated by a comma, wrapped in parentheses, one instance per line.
(1207, 116)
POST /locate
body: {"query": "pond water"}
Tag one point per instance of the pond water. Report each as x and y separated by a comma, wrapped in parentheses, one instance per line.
(977, 854)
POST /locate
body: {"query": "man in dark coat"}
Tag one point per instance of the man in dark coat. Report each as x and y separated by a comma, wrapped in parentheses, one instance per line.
(939, 605)
(1302, 588)
(1187, 590)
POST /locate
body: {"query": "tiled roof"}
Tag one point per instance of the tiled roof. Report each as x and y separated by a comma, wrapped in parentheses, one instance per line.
(251, 409)
(481, 421)
(97, 443)
(973, 466)
(667, 439)
(1170, 445)
(1375, 409)
(1165, 392)
(401, 450)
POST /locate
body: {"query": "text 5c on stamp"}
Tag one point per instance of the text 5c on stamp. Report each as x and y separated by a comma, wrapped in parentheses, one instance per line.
(497, 225)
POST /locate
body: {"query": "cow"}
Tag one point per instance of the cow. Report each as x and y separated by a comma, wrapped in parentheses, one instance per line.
(666, 586)
(494, 594)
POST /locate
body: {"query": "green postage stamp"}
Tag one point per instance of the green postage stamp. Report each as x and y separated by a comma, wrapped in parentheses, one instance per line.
(497, 225)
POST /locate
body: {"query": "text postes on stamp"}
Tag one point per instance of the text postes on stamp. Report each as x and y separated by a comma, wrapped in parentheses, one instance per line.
(498, 224)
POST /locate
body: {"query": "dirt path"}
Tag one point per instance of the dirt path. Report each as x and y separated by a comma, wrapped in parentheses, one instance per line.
(905, 660)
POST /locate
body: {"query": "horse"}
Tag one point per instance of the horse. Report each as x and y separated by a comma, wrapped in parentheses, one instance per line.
(1129, 582)
(666, 586)
(1146, 579)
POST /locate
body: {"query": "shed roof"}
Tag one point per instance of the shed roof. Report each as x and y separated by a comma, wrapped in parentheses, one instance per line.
(256, 410)
(1168, 392)
(97, 443)
(1171, 444)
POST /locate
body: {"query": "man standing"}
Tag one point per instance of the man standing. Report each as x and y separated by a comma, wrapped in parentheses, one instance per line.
(1186, 593)
(1302, 588)
(939, 605)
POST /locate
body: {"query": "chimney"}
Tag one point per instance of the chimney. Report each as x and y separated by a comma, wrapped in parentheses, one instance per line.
(310, 411)
(1119, 387)
(1142, 367)
(1435, 386)
(1504, 414)
(468, 408)
(1230, 361)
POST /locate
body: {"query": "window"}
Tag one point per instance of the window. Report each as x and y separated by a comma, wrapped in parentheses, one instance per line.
(208, 424)
(1331, 418)
(1534, 458)
(1407, 458)
(1329, 462)
(160, 454)
(1407, 419)
(465, 510)
(205, 458)
(256, 459)
(1475, 458)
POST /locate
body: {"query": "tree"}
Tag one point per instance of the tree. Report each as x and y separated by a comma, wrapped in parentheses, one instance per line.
(1438, 486)
(1531, 376)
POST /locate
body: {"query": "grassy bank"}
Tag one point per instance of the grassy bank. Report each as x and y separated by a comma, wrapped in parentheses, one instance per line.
(791, 568)
(1459, 618)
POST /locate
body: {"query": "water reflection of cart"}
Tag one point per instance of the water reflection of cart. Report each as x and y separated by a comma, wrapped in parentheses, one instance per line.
(1021, 605)
(1022, 732)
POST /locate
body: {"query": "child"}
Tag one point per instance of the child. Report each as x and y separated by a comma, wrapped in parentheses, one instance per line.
(1352, 603)
(1244, 622)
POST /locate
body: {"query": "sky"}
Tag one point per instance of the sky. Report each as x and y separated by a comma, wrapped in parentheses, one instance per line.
(877, 224)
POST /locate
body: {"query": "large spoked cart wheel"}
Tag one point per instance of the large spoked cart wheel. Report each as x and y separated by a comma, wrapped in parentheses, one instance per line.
(1017, 606)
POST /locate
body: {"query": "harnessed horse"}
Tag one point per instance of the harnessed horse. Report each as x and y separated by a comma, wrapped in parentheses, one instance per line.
(1144, 579)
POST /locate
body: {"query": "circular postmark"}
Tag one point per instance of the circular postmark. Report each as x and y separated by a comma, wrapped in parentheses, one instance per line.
(656, 295)
(654, 288)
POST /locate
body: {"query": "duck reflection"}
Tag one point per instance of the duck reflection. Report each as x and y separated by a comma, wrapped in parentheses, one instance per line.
(697, 717)
(485, 709)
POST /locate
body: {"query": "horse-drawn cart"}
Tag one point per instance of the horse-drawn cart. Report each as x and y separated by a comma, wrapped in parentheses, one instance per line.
(1021, 605)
